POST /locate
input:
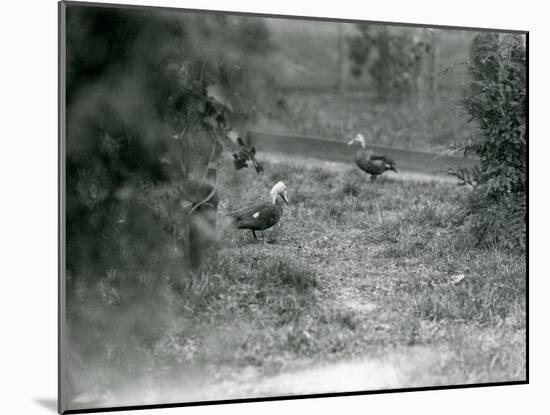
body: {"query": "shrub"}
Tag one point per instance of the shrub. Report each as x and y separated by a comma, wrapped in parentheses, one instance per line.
(497, 103)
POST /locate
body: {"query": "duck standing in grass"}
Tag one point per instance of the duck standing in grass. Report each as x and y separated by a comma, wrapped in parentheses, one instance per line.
(261, 216)
(369, 162)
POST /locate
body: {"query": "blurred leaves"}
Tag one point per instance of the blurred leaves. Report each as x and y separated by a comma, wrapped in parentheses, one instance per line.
(150, 98)
(215, 92)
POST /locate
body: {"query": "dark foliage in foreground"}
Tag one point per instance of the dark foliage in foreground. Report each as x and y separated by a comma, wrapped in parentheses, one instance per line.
(148, 115)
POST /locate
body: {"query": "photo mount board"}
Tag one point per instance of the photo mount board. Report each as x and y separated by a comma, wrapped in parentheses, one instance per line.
(62, 325)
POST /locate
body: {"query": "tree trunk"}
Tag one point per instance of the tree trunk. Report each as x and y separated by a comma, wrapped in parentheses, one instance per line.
(202, 224)
(342, 59)
(433, 61)
(201, 187)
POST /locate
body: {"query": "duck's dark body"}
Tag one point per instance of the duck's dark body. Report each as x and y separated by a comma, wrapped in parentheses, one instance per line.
(257, 217)
(373, 164)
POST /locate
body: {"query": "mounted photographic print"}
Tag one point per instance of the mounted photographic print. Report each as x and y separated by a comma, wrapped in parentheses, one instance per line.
(257, 207)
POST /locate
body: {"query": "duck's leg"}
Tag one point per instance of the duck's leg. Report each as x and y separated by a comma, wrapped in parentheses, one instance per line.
(254, 233)
(373, 177)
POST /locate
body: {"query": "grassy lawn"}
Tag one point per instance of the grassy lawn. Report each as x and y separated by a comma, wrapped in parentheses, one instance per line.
(359, 269)
(356, 271)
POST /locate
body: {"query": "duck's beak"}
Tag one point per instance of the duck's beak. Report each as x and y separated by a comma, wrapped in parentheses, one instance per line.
(283, 195)
(351, 142)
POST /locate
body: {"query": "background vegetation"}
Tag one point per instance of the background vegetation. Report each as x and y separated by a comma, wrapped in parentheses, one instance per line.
(402, 85)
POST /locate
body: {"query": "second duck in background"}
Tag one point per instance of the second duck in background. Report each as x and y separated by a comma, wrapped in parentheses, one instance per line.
(370, 162)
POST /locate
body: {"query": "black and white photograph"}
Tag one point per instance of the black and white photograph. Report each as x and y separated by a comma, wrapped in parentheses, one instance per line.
(274, 206)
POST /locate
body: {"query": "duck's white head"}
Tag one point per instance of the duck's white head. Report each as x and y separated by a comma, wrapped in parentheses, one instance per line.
(358, 139)
(278, 190)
